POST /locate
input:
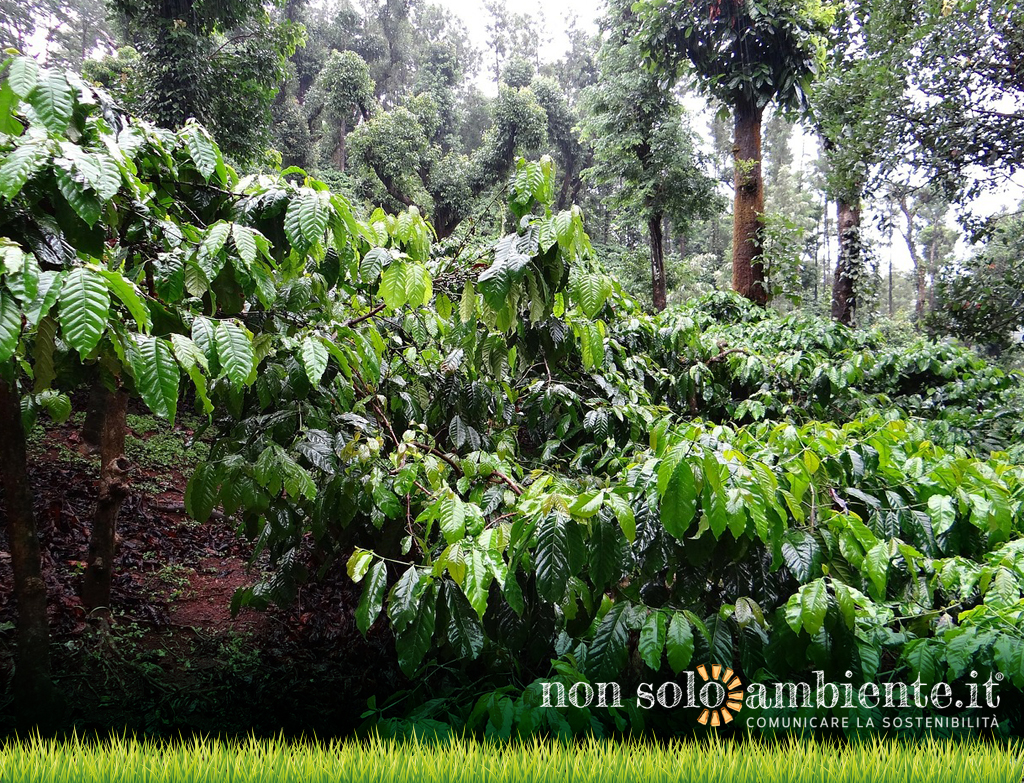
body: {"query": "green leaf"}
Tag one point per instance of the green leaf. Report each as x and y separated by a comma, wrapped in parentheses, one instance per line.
(591, 345)
(125, 290)
(84, 308)
(606, 551)
(23, 76)
(609, 650)
(652, 639)
(679, 642)
(591, 291)
(477, 582)
(847, 606)
(923, 657)
(876, 565)
(201, 492)
(465, 634)
(402, 601)
(679, 502)
(359, 563)
(306, 219)
(451, 516)
(418, 285)
(624, 514)
(814, 605)
(43, 366)
(52, 99)
(201, 148)
(58, 406)
(393, 285)
(210, 258)
(372, 263)
(157, 375)
(588, 504)
(234, 350)
(9, 123)
(551, 558)
(24, 283)
(245, 243)
(187, 353)
(467, 305)
(204, 333)
(10, 326)
(412, 644)
(18, 166)
(107, 180)
(82, 201)
(373, 597)
(314, 359)
(47, 291)
(943, 513)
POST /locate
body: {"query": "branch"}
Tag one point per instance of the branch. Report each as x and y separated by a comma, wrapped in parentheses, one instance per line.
(354, 321)
(518, 490)
(721, 357)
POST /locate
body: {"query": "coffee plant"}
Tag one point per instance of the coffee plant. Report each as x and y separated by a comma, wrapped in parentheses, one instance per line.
(531, 478)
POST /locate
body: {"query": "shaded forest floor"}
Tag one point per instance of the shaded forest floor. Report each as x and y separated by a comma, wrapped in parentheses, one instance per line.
(172, 658)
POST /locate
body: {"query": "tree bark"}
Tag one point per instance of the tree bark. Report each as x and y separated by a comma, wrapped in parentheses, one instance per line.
(844, 294)
(658, 290)
(341, 150)
(920, 272)
(113, 487)
(36, 701)
(747, 270)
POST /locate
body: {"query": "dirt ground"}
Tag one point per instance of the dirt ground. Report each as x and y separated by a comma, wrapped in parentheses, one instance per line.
(173, 657)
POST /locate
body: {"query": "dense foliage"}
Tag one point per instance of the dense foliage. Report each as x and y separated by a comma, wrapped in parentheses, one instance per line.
(413, 364)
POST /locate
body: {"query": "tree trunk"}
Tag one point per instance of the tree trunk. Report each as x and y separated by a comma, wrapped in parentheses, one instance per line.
(113, 487)
(747, 270)
(920, 272)
(658, 291)
(36, 700)
(341, 151)
(844, 295)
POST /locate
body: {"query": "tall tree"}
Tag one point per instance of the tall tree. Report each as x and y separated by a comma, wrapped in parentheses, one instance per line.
(981, 300)
(509, 36)
(409, 155)
(81, 29)
(643, 144)
(219, 63)
(930, 241)
(341, 96)
(862, 87)
(962, 123)
(747, 55)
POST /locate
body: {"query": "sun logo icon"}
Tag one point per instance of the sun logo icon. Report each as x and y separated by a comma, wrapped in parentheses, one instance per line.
(725, 689)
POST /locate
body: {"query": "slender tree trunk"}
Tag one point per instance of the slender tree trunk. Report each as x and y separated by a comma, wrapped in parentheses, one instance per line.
(920, 273)
(827, 255)
(844, 295)
(747, 271)
(341, 150)
(890, 277)
(658, 291)
(933, 265)
(36, 701)
(113, 487)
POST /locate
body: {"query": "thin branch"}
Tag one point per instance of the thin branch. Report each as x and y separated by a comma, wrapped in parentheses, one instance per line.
(354, 321)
